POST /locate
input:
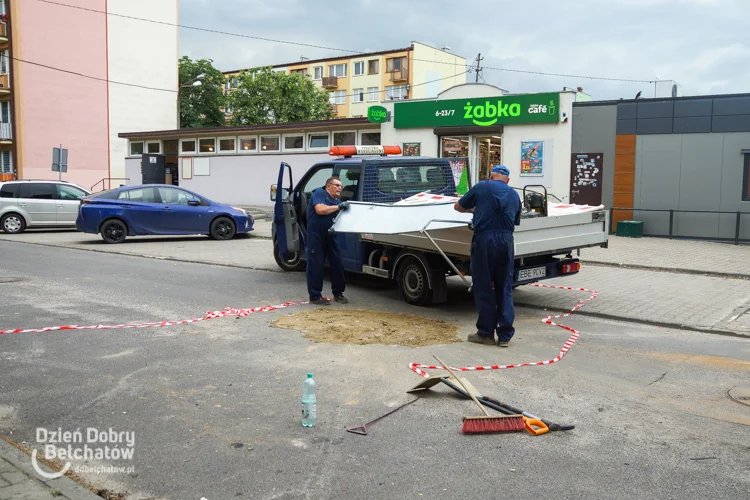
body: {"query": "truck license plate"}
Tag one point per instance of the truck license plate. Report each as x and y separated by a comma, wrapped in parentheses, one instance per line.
(535, 272)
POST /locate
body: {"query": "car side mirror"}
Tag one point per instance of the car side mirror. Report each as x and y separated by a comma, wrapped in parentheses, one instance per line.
(194, 202)
(284, 193)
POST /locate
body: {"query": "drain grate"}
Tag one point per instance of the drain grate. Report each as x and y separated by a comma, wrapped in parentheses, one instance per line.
(10, 279)
(740, 395)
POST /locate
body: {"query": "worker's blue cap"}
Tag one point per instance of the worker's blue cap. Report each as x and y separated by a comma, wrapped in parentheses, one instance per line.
(500, 169)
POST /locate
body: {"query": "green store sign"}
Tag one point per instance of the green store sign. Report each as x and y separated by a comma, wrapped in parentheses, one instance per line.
(377, 114)
(482, 112)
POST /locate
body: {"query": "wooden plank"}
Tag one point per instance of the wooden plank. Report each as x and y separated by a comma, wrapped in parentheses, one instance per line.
(625, 145)
(625, 163)
(623, 200)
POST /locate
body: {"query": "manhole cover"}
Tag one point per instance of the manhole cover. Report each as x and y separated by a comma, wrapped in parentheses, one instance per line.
(740, 394)
(10, 279)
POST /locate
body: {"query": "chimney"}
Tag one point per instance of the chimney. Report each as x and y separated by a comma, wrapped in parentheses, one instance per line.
(580, 89)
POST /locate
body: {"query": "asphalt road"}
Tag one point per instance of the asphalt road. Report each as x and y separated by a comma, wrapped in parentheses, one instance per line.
(214, 405)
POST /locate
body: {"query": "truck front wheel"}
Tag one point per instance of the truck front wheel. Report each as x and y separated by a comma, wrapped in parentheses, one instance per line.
(413, 282)
(293, 262)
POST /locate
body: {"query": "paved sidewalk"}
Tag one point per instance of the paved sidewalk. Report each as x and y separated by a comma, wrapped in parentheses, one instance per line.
(673, 255)
(19, 481)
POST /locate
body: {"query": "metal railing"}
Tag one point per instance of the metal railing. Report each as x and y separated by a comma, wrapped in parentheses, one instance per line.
(110, 179)
(672, 211)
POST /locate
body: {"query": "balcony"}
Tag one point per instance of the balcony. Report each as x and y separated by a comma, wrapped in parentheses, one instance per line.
(3, 33)
(4, 84)
(6, 133)
(330, 82)
(400, 75)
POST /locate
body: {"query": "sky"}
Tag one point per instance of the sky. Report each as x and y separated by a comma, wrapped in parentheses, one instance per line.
(703, 45)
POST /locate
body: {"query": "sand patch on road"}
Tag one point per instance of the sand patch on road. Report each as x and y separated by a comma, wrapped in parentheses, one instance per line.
(362, 327)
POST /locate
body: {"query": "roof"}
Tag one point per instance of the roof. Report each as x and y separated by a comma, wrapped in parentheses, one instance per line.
(649, 99)
(196, 132)
(335, 58)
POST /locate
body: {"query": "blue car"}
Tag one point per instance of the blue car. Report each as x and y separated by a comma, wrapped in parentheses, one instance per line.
(158, 209)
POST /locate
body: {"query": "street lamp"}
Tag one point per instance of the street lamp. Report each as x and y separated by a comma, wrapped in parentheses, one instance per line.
(195, 82)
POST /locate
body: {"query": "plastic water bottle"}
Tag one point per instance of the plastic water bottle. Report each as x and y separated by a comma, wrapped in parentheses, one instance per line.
(309, 402)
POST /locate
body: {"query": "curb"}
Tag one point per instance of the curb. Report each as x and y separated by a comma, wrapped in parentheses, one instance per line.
(673, 270)
(69, 488)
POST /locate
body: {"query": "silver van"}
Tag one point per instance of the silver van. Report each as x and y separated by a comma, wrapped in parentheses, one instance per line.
(25, 204)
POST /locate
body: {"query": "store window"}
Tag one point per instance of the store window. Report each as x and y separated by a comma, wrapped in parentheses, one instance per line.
(370, 139)
(136, 148)
(452, 147)
(344, 138)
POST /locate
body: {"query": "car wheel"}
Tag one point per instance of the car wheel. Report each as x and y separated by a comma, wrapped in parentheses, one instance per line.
(293, 263)
(114, 231)
(13, 223)
(413, 282)
(222, 228)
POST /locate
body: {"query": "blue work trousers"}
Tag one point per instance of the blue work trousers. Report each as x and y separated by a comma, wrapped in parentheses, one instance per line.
(321, 245)
(492, 259)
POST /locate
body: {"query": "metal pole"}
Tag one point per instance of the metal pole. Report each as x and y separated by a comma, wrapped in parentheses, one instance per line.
(737, 229)
(611, 220)
(178, 108)
(671, 221)
(59, 171)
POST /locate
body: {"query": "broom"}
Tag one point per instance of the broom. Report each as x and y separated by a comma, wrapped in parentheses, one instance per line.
(487, 423)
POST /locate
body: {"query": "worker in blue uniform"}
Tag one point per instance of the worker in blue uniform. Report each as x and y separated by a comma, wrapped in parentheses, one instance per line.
(322, 209)
(497, 210)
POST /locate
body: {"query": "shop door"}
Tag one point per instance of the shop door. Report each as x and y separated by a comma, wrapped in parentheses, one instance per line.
(586, 178)
(488, 153)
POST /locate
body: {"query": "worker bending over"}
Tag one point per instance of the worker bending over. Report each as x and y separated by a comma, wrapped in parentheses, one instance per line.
(497, 210)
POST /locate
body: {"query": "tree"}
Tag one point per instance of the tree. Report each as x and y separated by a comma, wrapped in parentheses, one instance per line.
(264, 96)
(200, 104)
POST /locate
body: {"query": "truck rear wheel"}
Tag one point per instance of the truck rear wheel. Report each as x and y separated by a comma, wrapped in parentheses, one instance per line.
(413, 282)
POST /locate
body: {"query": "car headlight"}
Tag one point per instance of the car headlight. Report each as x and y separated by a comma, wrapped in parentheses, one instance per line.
(240, 210)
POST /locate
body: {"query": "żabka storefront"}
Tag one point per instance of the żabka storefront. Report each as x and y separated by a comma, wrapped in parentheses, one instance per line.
(483, 125)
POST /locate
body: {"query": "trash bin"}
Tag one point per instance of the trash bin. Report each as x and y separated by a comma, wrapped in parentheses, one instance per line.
(630, 228)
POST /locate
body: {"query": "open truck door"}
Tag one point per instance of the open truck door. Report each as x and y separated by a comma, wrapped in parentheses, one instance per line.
(286, 241)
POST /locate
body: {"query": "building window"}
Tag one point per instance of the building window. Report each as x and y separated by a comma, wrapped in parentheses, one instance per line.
(394, 64)
(373, 66)
(395, 92)
(318, 70)
(207, 145)
(372, 94)
(337, 97)
(344, 138)
(153, 147)
(337, 70)
(370, 139)
(187, 146)
(318, 141)
(359, 68)
(136, 148)
(358, 95)
(302, 71)
(227, 145)
(294, 142)
(269, 143)
(248, 144)
(6, 165)
(746, 179)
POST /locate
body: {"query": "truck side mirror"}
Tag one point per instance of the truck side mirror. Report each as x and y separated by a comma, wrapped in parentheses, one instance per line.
(284, 192)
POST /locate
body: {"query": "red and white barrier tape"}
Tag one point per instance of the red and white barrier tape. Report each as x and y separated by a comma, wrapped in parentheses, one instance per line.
(417, 368)
(209, 315)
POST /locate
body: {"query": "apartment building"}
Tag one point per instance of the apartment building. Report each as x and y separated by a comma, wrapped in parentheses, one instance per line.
(42, 108)
(355, 82)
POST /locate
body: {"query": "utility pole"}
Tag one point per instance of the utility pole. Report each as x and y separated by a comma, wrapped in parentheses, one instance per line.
(479, 69)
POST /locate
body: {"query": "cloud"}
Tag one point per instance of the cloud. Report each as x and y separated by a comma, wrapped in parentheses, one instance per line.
(702, 44)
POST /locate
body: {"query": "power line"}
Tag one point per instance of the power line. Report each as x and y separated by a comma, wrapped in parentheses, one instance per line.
(87, 76)
(353, 52)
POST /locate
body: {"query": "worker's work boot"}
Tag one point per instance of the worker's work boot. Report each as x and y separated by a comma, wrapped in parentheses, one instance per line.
(341, 299)
(320, 301)
(503, 344)
(481, 339)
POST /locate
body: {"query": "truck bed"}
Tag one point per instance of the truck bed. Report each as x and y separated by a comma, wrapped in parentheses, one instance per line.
(411, 225)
